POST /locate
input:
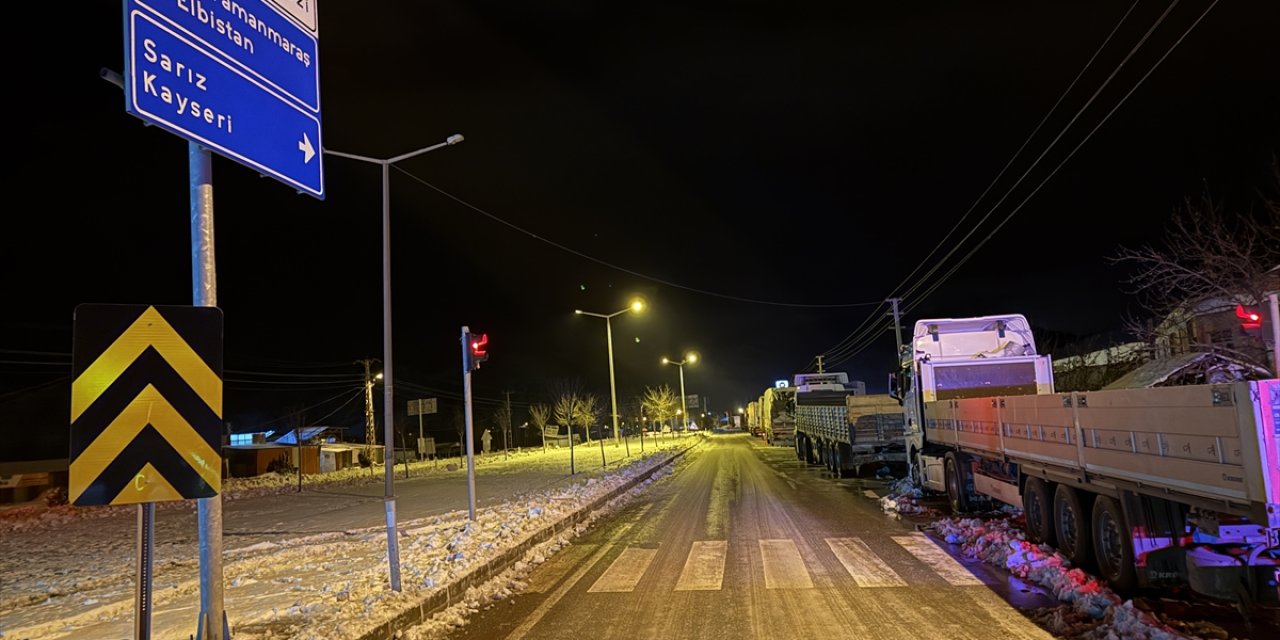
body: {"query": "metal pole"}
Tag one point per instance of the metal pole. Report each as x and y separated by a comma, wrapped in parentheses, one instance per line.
(212, 624)
(466, 398)
(1275, 334)
(684, 410)
(388, 409)
(613, 389)
(146, 563)
(419, 432)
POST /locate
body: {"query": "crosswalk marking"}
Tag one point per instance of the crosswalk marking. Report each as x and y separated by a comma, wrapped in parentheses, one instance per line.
(783, 566)
(704, 569)
(624, 574)
(867, 569)
(940, 561)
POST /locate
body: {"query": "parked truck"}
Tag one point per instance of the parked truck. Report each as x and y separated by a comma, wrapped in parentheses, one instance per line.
(842, 428)
(1152, 487)
(777, 416)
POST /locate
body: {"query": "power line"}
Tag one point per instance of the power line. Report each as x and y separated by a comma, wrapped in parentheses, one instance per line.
(625, 270)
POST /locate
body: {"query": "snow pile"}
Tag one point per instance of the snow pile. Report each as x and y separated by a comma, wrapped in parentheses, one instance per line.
(1092, 611)
(904, 497)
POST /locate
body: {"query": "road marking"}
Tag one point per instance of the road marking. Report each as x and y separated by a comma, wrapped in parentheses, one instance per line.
(870, 494)
(940, 561)
(783, 566)
(552, 600)
(867, 569)
(624, 574)
(558, 566)
(704, 568)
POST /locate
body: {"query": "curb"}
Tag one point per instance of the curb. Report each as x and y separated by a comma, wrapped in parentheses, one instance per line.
(456, 590)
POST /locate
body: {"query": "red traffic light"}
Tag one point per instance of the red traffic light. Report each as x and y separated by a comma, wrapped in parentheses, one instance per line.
(1251, 319)
(479, 346)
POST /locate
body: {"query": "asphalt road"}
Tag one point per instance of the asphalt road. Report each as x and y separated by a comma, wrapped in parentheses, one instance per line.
(744, 541)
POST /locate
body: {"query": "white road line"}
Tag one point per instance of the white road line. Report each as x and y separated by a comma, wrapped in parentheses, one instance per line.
(552, 600)
(940, 561)
(783, 566)
(704, 568)
(624, 574)
(866, 568)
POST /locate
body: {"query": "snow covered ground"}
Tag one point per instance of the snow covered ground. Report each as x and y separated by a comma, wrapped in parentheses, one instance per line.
(335, 585)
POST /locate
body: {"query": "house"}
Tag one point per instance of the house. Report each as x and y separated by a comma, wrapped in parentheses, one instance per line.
(1195, 367)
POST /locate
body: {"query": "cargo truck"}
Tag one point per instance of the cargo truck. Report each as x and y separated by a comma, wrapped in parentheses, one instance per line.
(842, 428)
(1153, 487)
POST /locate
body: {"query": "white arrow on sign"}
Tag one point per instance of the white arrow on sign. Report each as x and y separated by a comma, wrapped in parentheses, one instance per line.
(308, 152)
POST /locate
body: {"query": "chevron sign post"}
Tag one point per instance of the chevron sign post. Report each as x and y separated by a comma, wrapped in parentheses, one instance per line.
(146, 404)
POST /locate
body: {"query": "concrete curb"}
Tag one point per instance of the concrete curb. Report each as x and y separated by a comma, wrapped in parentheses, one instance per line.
(456, 590)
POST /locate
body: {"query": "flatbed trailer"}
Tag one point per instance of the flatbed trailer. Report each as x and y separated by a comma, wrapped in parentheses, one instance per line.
(1153, 487)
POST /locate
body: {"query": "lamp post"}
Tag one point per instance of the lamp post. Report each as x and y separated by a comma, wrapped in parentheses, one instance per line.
(689, 358)
(388, 408)
(637, 305)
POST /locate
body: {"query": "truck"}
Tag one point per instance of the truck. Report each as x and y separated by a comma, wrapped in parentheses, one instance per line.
(842, 428)
(1164, 487)
(777, 416)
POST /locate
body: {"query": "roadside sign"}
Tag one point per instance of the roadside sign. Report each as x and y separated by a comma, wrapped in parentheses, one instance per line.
(422, 406)
(243, 82)
(146, 404)
(303, 11)
(691, 401)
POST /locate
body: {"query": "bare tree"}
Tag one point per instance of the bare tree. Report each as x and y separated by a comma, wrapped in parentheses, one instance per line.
(587, 412)
(574, 407)
(501, 418)
(1210, 261)
(660, 402)
(539, 414)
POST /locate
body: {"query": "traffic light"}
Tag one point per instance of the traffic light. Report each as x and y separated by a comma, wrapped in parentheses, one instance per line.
(1249, 318)
(477, 350)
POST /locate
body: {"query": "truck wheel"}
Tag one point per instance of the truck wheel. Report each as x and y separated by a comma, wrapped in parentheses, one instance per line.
(799, 445)
(1071, 524)
(1037, 509)
(837, 461)
(957, 484)
(1112, 546)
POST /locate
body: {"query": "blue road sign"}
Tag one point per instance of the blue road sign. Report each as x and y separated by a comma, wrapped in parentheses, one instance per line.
(243, 83)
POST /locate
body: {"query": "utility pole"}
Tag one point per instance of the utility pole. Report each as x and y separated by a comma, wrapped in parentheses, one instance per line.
(820, 364)
(897, 325)
(369, 429)
(506, 427)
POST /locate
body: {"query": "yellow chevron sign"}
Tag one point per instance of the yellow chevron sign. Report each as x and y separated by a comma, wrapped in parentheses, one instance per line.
(146, 404)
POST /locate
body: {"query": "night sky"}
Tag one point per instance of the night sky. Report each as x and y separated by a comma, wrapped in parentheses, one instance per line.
(766, 175)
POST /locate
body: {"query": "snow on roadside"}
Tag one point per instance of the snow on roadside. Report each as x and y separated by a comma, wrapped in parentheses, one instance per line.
(1091, 610)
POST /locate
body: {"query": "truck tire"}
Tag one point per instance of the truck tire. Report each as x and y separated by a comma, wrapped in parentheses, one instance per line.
(799, 445)
(837, 460)
(1071, 525)
(1037, 509)
(1112, 545)
(958, 483)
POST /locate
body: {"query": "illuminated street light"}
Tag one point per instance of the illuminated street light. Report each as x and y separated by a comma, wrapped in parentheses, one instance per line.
(636, 306)
(389, 455)
(689, 358)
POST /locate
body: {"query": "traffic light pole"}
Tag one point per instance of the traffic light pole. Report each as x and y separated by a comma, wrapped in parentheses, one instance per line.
(470, 438)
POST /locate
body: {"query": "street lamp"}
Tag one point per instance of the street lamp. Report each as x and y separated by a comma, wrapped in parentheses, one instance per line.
(637, 305)
(388, 408)
(689, 358)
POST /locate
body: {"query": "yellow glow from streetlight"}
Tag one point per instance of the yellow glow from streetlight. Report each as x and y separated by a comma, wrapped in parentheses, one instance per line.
(666, 360)
(691, 358)
(637, 305)
(577, 312)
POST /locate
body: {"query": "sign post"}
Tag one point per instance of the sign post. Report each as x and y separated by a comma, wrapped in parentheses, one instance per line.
(418, 408)
(214, 76)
